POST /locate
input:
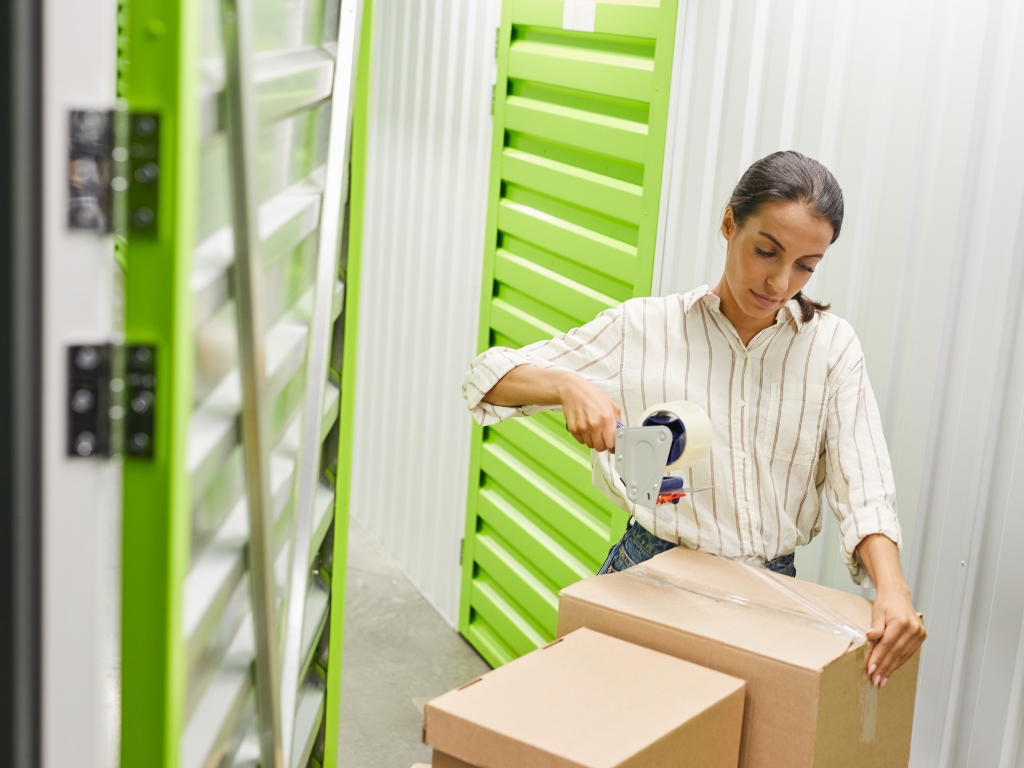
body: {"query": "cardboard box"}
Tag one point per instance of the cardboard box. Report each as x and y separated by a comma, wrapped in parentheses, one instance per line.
(589, 701)
(808, 700)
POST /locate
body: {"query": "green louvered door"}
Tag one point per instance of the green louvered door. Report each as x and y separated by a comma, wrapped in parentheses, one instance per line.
(579, 129)
(235, 282)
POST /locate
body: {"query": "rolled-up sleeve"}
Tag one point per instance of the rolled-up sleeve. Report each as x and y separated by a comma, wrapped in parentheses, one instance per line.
(594, 351)
(858, 474)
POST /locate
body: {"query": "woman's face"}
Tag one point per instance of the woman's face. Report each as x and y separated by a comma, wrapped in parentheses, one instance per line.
(772, 256)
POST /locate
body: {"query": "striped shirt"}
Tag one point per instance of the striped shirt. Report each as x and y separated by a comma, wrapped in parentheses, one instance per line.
(792, 412)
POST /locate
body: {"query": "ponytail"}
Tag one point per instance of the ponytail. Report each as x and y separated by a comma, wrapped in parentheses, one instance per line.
(809, 306)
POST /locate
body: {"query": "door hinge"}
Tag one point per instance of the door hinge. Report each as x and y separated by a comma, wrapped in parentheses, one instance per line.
(92, 181)
(102, 378)
(462, 549)
(92, 400)
(143, 157)
(140, 377)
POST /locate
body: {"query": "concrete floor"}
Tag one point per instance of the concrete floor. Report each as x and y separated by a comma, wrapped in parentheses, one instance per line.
(399, 653)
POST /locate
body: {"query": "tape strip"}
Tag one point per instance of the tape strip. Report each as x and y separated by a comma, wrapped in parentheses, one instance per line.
(868, 711)
(578, 15)
(805, 610)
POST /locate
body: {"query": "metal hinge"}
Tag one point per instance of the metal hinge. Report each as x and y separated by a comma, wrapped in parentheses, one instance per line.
(140, 377)
(143, 156)
(92, 181)
(111, 393)
(93, 401)
(462, 548)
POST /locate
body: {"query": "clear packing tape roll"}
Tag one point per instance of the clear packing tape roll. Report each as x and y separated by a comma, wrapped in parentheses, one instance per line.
(697, 430)
(801, 608)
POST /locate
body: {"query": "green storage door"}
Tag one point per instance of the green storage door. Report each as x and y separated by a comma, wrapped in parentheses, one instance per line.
(579, 129)
(237, 142)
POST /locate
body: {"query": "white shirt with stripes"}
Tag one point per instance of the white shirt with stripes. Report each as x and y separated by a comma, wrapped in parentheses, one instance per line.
(791, 412)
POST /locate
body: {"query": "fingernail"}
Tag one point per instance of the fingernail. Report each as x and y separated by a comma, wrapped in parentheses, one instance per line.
(878, 680)
(884, 681)
(871, 669)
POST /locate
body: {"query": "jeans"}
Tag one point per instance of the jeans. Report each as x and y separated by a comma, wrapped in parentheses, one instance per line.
(638, 544)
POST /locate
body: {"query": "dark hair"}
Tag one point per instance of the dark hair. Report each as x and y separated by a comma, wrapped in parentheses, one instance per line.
(795, 178)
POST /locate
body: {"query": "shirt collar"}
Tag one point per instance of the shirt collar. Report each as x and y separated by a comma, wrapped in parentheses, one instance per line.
(691, 298)
(791, 310)
(795, 313)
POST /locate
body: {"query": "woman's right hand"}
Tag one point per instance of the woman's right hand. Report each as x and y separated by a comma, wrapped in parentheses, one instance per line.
(591, 416)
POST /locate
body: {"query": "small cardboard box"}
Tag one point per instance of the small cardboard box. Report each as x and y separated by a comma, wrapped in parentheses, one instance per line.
(808, 703)
(589, 701)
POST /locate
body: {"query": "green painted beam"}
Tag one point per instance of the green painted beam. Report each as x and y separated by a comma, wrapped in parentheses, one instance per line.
(610, 74)
(579, 302)
(579, 244)
(615, 198)
(357, 211)
(529, 538)
(161, 49)
(573, 127)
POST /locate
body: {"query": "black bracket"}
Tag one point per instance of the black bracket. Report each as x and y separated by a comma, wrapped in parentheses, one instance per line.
(140, 376)
(144, 170)
(111, 400)
(91, 182)
(89, 400)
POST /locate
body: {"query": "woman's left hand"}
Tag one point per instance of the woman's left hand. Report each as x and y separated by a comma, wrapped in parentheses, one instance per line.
(897, 630)
(896, 633)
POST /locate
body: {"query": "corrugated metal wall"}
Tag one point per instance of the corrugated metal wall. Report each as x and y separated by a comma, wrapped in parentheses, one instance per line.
(428, 163)
(916, 106)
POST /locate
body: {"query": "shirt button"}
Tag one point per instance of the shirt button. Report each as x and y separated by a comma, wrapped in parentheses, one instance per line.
(743, 454)
(742, 403)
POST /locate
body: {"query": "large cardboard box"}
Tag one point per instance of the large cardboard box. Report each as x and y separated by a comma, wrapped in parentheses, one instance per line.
(808, 703)
(589, 701)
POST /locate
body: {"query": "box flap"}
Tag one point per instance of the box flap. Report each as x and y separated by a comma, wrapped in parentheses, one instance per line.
(586, 701)
(653, 592)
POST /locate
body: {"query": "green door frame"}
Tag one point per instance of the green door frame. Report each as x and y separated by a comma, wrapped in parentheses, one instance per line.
(160, 46)
(158, 55)
(353, 278)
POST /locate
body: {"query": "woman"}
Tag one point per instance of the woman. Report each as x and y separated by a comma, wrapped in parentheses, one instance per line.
(782, 380)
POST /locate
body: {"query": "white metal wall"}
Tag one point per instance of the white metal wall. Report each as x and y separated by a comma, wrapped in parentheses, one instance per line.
(427, 169)
(82, 496)
(917, 107)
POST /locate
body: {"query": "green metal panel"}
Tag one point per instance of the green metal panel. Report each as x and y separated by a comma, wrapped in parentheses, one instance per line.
(187, 614)
(344, 366)
(579, 135)
(161, 51)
